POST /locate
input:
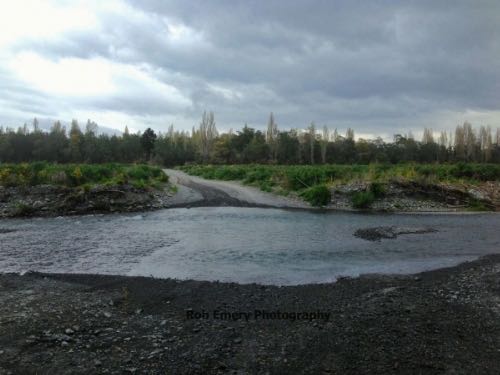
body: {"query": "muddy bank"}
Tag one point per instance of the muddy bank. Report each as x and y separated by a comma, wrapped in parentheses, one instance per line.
(48, 200)
(443, 321)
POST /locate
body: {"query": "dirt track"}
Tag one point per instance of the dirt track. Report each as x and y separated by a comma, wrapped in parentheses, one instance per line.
(195, 191)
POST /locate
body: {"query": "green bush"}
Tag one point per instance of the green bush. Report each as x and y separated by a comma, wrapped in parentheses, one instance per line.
(318, 195)
(478, 205)
(78, 175)
(23, 209)
(139, 184)
(362, 199)
(377, 188)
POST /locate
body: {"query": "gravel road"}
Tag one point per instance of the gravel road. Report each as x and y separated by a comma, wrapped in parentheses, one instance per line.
(195, 191)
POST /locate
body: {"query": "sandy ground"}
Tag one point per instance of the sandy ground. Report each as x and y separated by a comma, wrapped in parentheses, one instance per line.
(196, 191)
(439, 322)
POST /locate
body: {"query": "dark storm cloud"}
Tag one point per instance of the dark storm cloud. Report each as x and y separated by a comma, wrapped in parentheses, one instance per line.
(374, 65)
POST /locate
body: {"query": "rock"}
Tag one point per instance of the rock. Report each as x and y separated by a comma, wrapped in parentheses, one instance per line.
(6, 230)
(476, 194)
(391, 232)
(107, 314)
(69, 331)
(57, 337)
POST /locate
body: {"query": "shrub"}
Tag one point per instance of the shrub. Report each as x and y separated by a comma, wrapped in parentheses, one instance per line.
(362, 199)
(139, 172)
(23, 209)
(77, 175)
(265, 186)
(377, 189)
(318, 195)
(478, 205)
(59, 178)
(139, 184)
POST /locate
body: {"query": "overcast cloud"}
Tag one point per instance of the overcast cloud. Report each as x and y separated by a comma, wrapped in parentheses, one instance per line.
(380, 67)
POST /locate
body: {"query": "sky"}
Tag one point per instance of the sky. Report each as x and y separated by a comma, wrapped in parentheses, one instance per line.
(380, 67)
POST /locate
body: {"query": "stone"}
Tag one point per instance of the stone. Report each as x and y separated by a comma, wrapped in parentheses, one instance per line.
(377, 233)
(476, 194)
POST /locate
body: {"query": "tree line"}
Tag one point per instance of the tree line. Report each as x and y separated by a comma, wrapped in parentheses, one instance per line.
(204, 144)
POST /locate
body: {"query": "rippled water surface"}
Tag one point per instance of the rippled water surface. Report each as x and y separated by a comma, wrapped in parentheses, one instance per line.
(241, 244)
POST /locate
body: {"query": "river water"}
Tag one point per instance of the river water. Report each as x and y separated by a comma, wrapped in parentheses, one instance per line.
(269, 246)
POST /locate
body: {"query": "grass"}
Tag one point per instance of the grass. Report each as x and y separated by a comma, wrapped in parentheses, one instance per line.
(298, 177)
(477, 205)
(23, 209)
(80, 175)
(318, 195)
(362, 199)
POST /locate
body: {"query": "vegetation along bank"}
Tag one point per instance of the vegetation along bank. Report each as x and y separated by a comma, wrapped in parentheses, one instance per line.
(400, 187)
(45, 189)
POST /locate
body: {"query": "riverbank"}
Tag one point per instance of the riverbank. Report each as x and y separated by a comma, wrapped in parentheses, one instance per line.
(47, 200)
(442, 321)
(389, 188)
(45, 189)
(396, 197)
(175, 188)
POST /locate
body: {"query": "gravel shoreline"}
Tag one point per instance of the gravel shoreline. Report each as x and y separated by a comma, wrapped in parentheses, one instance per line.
(441, 321)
